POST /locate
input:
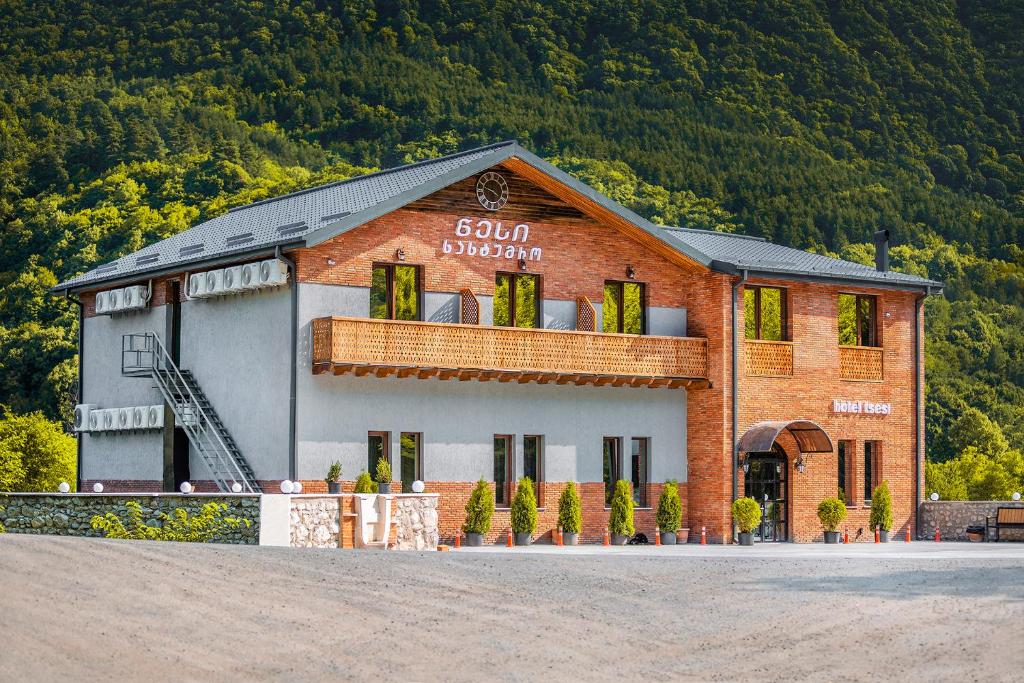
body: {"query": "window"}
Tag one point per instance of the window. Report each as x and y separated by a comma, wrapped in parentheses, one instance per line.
(533, 466)
(412, 465)
(395, 292)
(623, 308)
(871, 469)
(612, 466)
(502, 469)
(517, 300)
(844, 453)
(379, 447)
(857, 320)
(639, 469)
(764, 313)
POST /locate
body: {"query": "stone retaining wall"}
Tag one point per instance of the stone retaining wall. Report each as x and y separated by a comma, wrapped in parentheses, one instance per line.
(416, 523)
(70, 514)
(329, 521)
(316, 522)
(953, 516)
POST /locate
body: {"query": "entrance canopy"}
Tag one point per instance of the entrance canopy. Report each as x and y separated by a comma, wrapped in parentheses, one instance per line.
(810, 438)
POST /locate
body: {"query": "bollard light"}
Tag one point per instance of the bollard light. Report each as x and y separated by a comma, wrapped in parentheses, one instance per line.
(186, 487)
(417, 486)
(64, 487)
(1016, 495)
(236, 488)
(97, 488)
(286, 486)
(296, 487)
(934, 496)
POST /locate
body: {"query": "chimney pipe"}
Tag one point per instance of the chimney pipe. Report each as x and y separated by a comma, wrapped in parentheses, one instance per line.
(882, 251)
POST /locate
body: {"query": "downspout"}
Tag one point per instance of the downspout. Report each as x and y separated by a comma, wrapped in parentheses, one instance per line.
(81, 384)
(735, 389)
(293, 465)
(918, 441)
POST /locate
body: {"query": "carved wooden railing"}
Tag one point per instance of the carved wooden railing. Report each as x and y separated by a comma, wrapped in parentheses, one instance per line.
(470, 308)
(586, 315)
(863, 363)
(768, 358)
(385, 346)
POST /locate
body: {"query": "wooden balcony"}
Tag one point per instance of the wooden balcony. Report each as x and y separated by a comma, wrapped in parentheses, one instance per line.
(768, 358)
(384, 347)
(861, 363)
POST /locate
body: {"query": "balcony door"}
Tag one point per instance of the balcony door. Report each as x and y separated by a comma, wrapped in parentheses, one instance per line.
(395, 292)
(517, 300)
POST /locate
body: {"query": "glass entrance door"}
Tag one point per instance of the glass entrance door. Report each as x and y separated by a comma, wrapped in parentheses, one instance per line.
(766, 483)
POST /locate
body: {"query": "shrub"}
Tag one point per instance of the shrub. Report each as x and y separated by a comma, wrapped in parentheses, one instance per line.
(333, 473)
(670, 508)
(881, 507)
(524, 508)
(620, 519)
(831, 512)
(479, 509)
(35, 453)
(746, 513)
(570, 510)
(383, 475)
(364, 484)
(177, 526)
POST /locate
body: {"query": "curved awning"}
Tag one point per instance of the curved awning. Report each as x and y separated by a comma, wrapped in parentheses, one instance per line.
(810, 438)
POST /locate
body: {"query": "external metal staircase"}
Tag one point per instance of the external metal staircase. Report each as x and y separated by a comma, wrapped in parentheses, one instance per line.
(144, 355)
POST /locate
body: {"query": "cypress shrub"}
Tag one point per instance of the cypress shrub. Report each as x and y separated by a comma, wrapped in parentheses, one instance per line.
(670, 508)
(524, 508)
(479, 509)
(620, 519)
(383, 471)
(881, 507)
(570, 510)
(364, 484)
(746, 513)
(831, 512)
(333, 472)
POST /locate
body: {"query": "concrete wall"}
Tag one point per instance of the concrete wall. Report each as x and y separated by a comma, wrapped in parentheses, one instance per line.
(119, 455)
(238, 349)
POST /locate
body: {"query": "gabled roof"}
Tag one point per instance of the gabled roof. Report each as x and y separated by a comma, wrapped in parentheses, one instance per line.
(309, 217)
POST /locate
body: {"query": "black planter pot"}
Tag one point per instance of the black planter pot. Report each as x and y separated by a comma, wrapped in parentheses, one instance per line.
(619, 539)
(474, 540)
(883, 536)
(570, 539)
(668, 538)
(523, 538)
(746, 538)
(831, 537)
(334, 487)
(384, 487)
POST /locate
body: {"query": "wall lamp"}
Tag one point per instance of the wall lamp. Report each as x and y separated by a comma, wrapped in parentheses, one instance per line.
(800, 464)
(630, 272)
(743, 463)
(522, 264)
(400, 254)
(331, 261)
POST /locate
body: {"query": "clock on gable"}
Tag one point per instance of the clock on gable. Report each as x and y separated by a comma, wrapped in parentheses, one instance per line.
(492, 191)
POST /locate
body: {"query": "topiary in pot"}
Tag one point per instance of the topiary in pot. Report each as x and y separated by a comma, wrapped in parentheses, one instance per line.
(383, 476)
(881, 510)
(364, 484)
(333, 478)
(570, 514)
(831, 512)
(747, 515)
(524, 512)
(670, 512)
(620, 518)
(479, 511)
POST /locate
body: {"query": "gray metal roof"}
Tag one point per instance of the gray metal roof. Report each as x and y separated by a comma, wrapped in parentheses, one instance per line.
(312, 216)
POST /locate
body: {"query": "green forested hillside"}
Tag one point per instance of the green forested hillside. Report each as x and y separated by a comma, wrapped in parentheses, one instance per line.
(812, 123)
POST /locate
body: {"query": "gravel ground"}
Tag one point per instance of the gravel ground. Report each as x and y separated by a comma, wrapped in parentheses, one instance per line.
(122, 610)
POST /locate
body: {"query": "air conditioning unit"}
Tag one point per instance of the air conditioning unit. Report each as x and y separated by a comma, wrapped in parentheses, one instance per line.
(115, 299)
(233, 279)
(110, 419)
(124, 418)
(139, 415)
(215, 282)
(95, 420)
(250, 276)
(273, 272)
(154, 417)
(135, 297)
(102, 303)
(197, 286)
(82, 414)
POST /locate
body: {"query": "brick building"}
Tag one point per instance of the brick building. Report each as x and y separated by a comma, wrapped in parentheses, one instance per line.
(485, 315)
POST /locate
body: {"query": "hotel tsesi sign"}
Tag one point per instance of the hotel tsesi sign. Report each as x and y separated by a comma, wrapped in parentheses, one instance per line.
(860, 407)
(492, 240)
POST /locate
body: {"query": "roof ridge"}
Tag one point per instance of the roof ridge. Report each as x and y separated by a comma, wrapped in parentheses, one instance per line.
(754, 238)
(383, 171)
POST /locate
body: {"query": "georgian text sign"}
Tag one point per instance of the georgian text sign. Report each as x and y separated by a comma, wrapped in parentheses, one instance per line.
(485, 238)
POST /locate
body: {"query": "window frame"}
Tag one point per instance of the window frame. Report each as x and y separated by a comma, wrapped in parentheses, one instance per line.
(783, 312)
(620, 324)
(386, 437)
(390, 291)
(539, 480)
(640, 493)
(875, 328)
(872, 469)
(509, 471)
(513, 277)
(616, 467)
(418, 464)
(846, 473)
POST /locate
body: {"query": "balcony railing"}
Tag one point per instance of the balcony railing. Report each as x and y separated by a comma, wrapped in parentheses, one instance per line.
(384, 347)
(768, 358)
(863, 363)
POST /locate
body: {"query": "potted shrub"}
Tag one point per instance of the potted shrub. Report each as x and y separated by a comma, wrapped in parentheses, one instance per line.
(881, 511)
(670, 512)
(570, 514)
(620, 518)
(333, 478)
(524, 512)
(364, 484)
(383, 476)
(747, 515)
(831, 512)
(479, 510)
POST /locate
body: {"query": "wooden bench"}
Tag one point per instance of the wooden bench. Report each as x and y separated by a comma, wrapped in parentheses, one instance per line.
(1006, 518)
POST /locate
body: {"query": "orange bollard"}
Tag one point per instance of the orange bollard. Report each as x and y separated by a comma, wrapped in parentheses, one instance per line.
(907, 537)
(561, 542)
(878, 538)
(458, 540)
(846, 535)
(510, 543)
(657, 536)
(703, 535)
(607, 541)
(938, 538)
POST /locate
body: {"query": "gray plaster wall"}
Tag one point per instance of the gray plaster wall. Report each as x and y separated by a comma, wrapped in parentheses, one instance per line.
(442, 307)
(559, 315)
(119, 455)
(238, 348)
(667, 322)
